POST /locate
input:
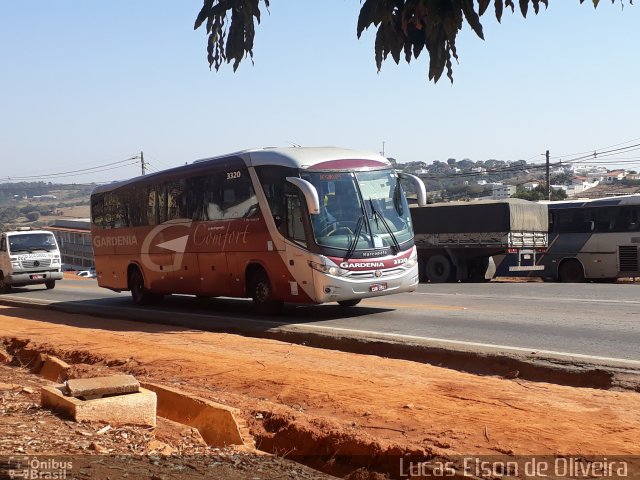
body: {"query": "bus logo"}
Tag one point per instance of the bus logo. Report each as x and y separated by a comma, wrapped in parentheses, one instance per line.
(177, 245)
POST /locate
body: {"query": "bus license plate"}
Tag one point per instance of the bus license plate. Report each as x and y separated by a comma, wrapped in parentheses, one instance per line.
(377, 287)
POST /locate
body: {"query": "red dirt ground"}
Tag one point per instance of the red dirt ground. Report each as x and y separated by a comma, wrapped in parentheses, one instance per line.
(304, 401)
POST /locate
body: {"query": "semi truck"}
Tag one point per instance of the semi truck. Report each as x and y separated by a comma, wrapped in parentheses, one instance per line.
(29, 257)
(456, 240)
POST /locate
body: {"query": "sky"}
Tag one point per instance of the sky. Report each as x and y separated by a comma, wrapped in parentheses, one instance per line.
(87, 84)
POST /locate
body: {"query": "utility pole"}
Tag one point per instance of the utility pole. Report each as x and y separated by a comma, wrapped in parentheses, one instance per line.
(144, 166)
(382, 148)
(548, 178)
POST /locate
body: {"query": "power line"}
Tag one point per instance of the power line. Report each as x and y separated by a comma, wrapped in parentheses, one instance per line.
(61, 175)
(82, 171)
(596, 154)
(601, 148)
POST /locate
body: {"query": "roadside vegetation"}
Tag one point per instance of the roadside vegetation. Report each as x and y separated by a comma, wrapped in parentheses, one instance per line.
(37, 204)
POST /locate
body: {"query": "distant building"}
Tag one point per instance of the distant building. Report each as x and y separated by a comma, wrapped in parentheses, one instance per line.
(503, 191)
(74, 237)
(529, 186)
(44, 197)
(614, 176)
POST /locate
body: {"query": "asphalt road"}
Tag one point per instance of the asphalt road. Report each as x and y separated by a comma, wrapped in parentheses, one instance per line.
(601, 320)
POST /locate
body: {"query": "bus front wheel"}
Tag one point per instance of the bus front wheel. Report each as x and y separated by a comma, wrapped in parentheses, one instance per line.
(4, 287)
(571, 271)
(139, 293)
(349, 303)
(262, 294)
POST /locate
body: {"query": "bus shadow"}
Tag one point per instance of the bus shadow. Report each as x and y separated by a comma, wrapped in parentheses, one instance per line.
(180, 312)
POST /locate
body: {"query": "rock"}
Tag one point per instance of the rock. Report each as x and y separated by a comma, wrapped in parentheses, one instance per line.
(97, 448)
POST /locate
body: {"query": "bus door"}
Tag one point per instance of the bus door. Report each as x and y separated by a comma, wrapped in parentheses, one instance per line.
(296, 252)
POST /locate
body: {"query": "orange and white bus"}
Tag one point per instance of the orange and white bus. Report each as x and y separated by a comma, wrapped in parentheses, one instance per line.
(299, 225)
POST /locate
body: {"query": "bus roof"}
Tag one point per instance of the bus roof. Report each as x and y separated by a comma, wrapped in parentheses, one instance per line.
(633, 199)
(312, 158)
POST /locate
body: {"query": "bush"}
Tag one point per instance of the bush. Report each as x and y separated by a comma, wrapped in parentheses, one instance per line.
(33, 216)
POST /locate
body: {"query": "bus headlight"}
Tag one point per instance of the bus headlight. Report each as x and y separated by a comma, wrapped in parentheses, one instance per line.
(329, 270)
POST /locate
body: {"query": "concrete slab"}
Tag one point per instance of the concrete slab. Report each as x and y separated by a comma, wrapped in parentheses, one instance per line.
(130, 409)
(218, 424)
(100, 386)
(53, 368)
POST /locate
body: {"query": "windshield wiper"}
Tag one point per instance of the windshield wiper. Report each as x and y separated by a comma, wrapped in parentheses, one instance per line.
(375, 212)
(356, 236)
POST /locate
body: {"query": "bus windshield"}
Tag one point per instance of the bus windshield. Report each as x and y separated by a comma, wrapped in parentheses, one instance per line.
(362, 210)
(31, 242)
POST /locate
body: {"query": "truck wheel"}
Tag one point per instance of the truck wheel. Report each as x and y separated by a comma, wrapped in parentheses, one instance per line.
(139, 293)
(349, 303)
(439, 269)
(50, 284)
(4, 288)
(262, 294)
(571, 271)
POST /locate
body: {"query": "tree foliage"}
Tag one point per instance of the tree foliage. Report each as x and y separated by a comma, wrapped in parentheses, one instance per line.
(539, 193)
(404, 27)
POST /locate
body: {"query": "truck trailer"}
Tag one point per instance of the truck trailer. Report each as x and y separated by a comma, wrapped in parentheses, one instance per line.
(456, 240)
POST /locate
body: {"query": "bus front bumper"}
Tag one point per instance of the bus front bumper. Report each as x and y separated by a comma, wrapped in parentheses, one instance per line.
(335, 289)
(32, 278)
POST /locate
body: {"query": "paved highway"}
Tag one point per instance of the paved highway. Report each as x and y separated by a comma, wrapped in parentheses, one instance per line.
(600, 320)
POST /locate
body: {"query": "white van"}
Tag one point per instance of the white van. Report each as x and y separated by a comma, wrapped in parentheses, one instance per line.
(29, 257)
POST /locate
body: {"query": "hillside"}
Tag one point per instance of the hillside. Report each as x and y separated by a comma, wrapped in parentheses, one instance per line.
(38, 204)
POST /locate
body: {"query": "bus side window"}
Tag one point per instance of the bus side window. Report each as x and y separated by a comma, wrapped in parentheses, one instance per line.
(564, 220)
(152, 210)
(624, 219)
(113, 211)
(97, 210)
(602, 218)
(176, 200)
(135, 204)
(635, 219)
(273, 182)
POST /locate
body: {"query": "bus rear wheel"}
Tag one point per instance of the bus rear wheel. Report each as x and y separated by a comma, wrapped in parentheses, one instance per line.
(349, 303)
(571, 271)
(262, 294)
(139, 293)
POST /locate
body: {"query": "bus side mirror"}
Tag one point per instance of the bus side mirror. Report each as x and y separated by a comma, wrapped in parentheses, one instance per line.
(310, 194)
(418, 185)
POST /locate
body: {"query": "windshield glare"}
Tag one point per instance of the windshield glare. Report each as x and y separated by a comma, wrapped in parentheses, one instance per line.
(360, 203)
(31, 242)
